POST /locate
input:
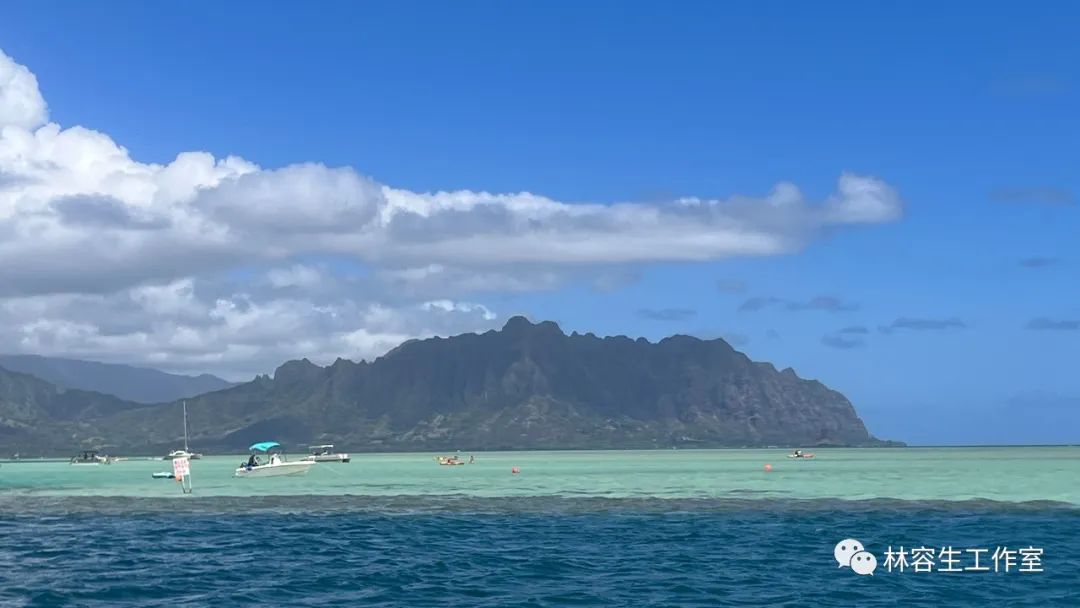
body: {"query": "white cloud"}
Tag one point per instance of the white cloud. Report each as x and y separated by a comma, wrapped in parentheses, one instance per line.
(449, 306)
(82, 221)
(297, 275)
(183, 327)
(21, 103)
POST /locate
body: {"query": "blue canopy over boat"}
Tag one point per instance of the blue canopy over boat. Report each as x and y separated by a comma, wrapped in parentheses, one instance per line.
(264, 446)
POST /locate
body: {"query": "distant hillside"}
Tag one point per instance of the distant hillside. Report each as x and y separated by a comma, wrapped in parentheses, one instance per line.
(139, 384)
(39, 417)
(526, 386)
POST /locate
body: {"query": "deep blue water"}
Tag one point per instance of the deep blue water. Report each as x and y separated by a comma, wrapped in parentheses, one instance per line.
(414, 552)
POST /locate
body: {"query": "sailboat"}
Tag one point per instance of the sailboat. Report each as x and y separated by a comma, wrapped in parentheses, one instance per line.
(184, 453)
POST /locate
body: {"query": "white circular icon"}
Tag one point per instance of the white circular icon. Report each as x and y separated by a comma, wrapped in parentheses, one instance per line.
(845, 549)
(864, 562)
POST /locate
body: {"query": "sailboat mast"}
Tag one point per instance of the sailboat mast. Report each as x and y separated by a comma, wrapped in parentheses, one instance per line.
(185, 427)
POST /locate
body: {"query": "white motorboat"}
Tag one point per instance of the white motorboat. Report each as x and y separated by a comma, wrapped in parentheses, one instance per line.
(275, 464)
(90, 458)
(325, 453)
(184, 453)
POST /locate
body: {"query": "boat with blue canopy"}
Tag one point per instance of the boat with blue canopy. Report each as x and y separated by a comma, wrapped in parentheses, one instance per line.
(268, 460)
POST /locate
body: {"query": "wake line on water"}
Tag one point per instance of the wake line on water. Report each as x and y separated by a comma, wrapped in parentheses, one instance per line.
(24, 506)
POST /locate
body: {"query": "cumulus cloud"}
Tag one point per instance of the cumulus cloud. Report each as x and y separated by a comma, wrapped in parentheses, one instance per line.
(449, 306)
(187, 327)
(86, 229)
(76, 190)
(21, 103)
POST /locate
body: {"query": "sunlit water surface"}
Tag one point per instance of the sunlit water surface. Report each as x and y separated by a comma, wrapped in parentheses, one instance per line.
(632, 528)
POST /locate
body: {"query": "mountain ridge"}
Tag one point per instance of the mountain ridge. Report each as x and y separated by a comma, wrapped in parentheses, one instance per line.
(128, 382)
(526, 386)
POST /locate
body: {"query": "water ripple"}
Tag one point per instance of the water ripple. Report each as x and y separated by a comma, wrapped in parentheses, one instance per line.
(506, 552)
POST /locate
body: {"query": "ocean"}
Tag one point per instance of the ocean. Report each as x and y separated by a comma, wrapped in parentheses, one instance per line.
(612, 528)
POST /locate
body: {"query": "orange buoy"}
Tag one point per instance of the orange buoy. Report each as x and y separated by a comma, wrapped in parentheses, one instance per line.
(768, 468)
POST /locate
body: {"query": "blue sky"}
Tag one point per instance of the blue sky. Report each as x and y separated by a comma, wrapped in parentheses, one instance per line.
(967, 110)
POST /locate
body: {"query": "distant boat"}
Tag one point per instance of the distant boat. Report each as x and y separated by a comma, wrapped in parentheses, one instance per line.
(184, 453)
(89, 458)
(800, 454)
(275, 466)
(325, 453)
(453, 460)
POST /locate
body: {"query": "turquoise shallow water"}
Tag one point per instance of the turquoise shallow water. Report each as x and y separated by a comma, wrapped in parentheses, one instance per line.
(1000, 474)
(628, 529)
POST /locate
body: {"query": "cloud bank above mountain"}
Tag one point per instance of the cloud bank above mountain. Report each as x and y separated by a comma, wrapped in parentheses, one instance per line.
(107, 257)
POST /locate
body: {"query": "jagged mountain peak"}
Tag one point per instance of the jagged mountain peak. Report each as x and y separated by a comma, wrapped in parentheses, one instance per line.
(528, 385)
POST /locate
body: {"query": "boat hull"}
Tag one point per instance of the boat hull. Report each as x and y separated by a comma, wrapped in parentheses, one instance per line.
(280, 469)
(327, 458)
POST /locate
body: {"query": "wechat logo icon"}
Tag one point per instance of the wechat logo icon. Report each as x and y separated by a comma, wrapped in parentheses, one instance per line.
(850, 553)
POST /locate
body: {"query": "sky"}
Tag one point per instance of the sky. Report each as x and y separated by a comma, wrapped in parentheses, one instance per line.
(884, 197)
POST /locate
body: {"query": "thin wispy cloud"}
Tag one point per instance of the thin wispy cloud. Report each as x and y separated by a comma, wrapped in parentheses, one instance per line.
(1039, 262)
(842, 342)
(919, 324)
(758, 303)
(667, 314)
(1031, 86)
(846, 338)
(736, 338)
(1045, 324)
(825, 303)
(1043, 195)
(830, 304)
(734, 286)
